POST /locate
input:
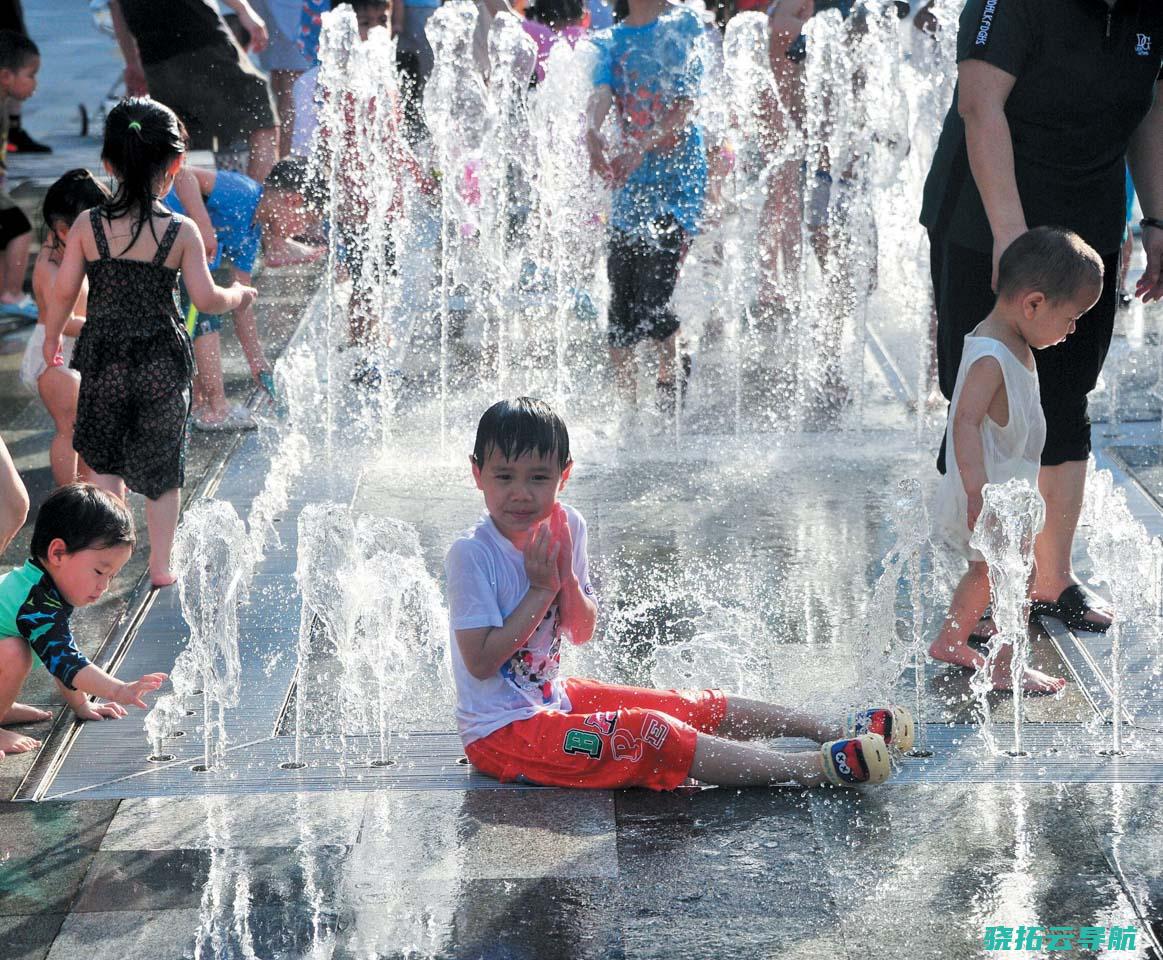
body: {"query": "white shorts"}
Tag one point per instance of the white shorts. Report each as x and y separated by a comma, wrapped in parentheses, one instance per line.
(32, 366)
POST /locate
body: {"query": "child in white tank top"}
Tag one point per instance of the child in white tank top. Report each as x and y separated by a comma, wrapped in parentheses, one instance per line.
(1046, 279)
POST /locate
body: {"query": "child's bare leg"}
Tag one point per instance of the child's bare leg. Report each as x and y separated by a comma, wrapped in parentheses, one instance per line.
(15, 662)
(15, 258)
(754, 720)
(969, 602)
(264, 151)
(58, 389)
(246, 329)
(210, 386)
(161, 516)
(110, 484)
(13, 499)
(625, 373)
(952, 645)
(729, 763)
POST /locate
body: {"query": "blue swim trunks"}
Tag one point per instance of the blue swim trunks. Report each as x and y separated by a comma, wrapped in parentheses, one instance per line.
(232, 205)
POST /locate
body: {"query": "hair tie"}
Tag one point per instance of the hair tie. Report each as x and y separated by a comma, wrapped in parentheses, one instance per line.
(134, 125)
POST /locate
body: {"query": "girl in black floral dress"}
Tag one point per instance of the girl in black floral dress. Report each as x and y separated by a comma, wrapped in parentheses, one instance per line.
(134, 353)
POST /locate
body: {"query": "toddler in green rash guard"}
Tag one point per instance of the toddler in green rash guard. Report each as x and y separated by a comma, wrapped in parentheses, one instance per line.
(82, 538)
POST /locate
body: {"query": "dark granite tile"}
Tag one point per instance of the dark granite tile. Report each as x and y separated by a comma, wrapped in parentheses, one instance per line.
(795, 935)
(176, 879)
(542, 919)
(1126, 821)
(29, 937)
(128, 935)
(762, 836)
(946, 829)
(484, 834)
(26, 828)
(43, 880)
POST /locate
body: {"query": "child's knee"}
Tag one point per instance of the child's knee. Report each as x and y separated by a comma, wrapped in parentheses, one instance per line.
(15, 656)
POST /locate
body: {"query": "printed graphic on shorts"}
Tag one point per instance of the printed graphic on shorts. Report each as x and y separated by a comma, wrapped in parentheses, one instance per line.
(584, 742)
(655, 732)
(625, 746)
(534, 672)
(604, 722)
(1143, 44)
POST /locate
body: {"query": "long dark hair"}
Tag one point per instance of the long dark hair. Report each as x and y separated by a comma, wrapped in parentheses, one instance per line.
(142, 139)
(76, 191)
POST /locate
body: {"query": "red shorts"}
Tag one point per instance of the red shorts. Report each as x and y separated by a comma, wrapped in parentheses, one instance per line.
(613, 737)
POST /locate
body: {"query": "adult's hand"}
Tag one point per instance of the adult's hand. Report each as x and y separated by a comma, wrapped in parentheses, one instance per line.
(1001, 240)
(253, 24)
(1149, 286)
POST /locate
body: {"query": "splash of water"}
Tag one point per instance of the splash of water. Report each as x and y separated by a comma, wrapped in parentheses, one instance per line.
(1012, 515)
(214, 562)
(1125, 557)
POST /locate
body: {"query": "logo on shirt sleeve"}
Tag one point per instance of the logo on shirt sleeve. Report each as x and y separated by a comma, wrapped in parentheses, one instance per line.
(986, 23)
(1143, 44)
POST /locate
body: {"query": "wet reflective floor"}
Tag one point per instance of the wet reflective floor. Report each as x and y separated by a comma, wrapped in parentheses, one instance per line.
(917, 871)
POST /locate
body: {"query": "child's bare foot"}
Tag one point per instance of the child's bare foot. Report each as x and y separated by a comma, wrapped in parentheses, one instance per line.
(23, 713)
(963, 655)
(16, 742)
(163, 578)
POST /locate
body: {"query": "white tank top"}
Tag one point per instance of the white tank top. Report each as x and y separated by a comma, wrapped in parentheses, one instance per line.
(1014, 450)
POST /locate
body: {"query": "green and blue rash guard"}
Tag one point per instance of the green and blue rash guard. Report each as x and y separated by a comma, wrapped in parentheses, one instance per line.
(31, 607)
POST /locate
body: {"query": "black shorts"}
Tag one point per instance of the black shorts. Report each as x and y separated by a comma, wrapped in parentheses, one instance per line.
(216, 91)
(643, 275)
(13, 222)
(1066, 372)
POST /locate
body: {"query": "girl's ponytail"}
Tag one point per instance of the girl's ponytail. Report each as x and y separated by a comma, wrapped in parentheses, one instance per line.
(142, 139)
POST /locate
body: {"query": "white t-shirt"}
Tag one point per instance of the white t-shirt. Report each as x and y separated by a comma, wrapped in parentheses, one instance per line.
(486, 582)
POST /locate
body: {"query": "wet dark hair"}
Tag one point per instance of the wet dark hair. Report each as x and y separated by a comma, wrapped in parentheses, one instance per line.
(16, 49)
(359, 4)
(142, 138)
(76, 191)
(85, 517)
(290, 173)
(1050, 260)
(515, 427)
(558, 13)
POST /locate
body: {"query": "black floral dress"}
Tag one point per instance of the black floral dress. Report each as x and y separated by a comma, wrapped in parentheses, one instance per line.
(136, 365)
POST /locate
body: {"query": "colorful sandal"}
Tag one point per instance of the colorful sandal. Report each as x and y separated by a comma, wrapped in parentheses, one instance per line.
(893, 723)
(860, 760)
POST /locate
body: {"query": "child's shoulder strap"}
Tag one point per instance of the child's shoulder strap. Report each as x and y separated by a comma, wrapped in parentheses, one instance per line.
(167, 241)
(99, 233)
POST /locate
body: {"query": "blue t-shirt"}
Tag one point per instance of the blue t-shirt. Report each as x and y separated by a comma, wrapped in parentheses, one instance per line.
(648, 68)
(232, 206)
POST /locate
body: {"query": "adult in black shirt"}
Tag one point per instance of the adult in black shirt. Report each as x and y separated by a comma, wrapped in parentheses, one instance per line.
(185, 55)
(1053, 96)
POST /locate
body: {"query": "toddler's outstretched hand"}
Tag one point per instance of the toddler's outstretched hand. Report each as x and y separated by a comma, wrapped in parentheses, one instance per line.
(132, 694)
(100, 711)
(563, 537)
(541, 560)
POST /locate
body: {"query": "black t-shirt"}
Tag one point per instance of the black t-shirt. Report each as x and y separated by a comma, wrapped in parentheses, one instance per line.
(1086, 76)
(165, 29)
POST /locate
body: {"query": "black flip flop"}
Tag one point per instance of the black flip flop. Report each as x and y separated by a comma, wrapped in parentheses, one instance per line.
(1071, 609)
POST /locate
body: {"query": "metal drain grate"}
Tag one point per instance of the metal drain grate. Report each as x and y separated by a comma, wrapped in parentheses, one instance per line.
(419, 761)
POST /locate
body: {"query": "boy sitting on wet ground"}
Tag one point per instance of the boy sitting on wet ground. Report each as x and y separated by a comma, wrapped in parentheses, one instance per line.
(519, 583)
(82, 538)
